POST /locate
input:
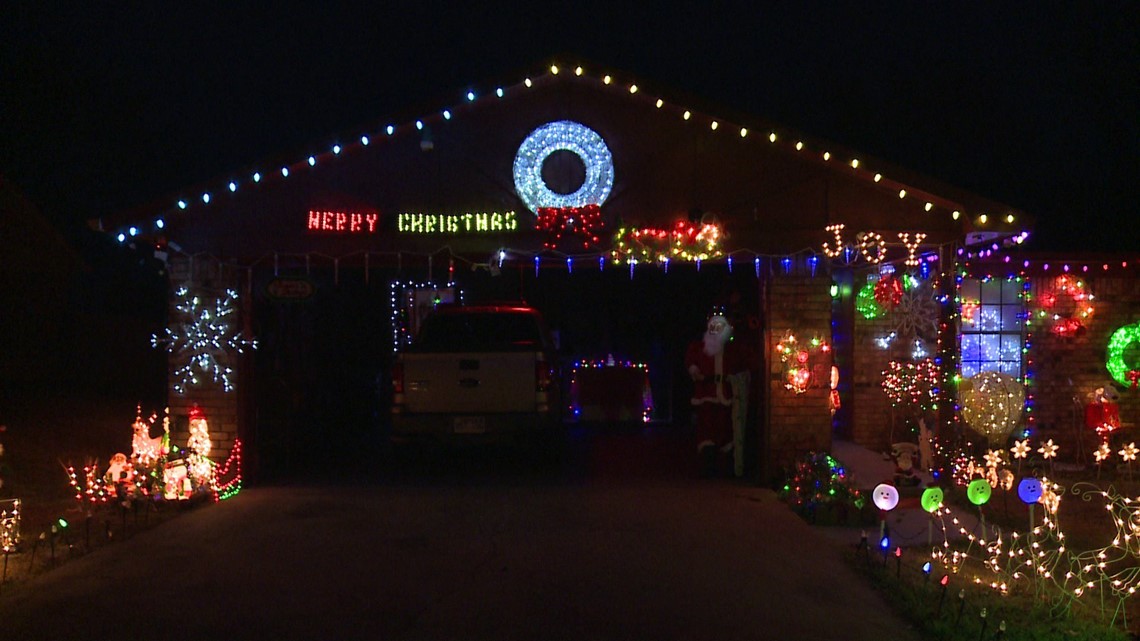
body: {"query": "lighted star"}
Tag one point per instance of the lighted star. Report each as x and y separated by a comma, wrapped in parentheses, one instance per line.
(1020, 449)
(1102, 453)
(1129, 452)
(1048, 450)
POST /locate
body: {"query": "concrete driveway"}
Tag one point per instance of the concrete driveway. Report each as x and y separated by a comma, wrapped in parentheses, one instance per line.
(478, 550)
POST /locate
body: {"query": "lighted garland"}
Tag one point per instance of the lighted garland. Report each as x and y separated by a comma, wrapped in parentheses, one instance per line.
(558, 136)
(685, 242)
(204, 337)
(1122, 370)
(912, 384)
(582, 223)
(231, 471)
(1066, 306)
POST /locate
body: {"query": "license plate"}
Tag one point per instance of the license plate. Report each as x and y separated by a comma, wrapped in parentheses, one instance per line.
(470, 425)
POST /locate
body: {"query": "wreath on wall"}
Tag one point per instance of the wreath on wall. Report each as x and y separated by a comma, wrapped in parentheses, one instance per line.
(1120, 360)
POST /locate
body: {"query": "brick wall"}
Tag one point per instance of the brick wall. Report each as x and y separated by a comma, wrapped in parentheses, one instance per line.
(798, 423)
(222, 409)
(1064, 369)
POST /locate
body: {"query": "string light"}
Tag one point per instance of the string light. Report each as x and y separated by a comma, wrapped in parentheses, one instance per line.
(570, 136)
(204, 338)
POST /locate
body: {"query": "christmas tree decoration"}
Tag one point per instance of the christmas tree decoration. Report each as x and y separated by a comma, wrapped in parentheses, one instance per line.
(819, 480)
(200, 467)
(1066, 307)
(204, 338)
(685, 242)
(582, 224)
(1120, 358)
(799, 361)
(991, 404)
(563, 135)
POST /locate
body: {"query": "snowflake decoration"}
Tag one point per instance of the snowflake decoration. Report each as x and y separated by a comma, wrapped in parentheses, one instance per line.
(1129, 452)
(1102, 453)
(916, 314)
(1020, 449)
(205, 338)
(1048, 450)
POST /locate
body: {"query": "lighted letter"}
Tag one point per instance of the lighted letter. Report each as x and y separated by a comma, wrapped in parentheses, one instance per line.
(869, 240)
(327, 220)
(354, 223)
(511, 223)
(496, 221)
(911, 248)
(371, 220)
(314, 219)
(836, 229)
(341, 219)
(467, 221)
(481, 222)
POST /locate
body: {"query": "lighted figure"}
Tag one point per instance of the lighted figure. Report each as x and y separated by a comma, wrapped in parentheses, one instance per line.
(1102, 414)
(709, 362)
(201, 467)
(176, 481)
(906, 460)
(145, 450)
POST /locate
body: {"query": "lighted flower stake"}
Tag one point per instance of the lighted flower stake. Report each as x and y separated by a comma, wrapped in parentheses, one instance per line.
(1020, 450)
(1048, 452)
(1101, 455)
(9, 525)
(1128, 454)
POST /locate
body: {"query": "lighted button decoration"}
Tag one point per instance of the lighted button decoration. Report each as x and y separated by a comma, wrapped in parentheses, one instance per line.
(1029, 490)
(979, 491)
(885, 496)
(932, 498)
(558, 136)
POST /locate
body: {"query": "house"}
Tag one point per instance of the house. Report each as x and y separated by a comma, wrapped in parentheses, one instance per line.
(621, 212)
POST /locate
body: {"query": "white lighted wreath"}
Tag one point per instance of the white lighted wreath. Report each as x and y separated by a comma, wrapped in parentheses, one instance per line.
(577, 139)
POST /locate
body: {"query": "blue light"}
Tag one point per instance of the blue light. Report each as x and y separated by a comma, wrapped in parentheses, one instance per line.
(499, 92)
(563, 135)
(787, 263)
(122, 238)
(134, 231)
(446, 114)
(160, 223)
(730, 264)
(885, 543)
(926, 567)
(813, 261)
(419, 124)
(536, 264)
(182, 204)
(470, 96)
(756, 262)
(391, 130)
(312, 161)
(206, 198)
(364, 140)
(336, 149)
(233, 186)
(257, 177)
(285, 172)
(570, 265)
(601, 263)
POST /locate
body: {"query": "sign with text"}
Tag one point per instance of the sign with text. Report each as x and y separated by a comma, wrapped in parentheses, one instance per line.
(342, 222)
(472, 222)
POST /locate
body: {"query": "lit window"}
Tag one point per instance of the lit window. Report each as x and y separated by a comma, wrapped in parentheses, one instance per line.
(992, 327)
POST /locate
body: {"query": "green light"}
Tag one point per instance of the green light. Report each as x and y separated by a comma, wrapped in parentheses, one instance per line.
(1118, 344)
(62, 523)
(834, 290)
(866, 304)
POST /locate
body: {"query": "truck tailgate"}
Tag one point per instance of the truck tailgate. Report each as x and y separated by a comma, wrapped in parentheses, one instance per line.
(470, 382)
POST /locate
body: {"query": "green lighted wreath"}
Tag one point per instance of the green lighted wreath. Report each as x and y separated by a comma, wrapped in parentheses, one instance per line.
(1121, 340)
(866, 304)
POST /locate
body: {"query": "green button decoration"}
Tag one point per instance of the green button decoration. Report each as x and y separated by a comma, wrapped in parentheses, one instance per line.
(979, 491)
(931, 498)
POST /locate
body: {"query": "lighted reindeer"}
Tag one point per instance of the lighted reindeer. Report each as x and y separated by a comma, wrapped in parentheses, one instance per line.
(147, 450)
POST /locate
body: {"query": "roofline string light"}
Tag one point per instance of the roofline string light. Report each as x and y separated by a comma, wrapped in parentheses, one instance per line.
(635, 90)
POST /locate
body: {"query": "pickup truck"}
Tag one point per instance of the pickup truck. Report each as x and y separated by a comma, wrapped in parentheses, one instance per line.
(478, 372)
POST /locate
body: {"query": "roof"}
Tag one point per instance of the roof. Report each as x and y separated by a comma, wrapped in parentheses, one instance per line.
(900, 197)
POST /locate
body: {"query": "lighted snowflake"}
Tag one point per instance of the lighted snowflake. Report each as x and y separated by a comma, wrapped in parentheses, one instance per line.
(1048, 450)
(204, 337)
(1102, 453)
(1020, 449)
(1129, 452)
(916, 315)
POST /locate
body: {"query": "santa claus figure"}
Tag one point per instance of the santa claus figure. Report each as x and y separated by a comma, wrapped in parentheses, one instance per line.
(710, 362)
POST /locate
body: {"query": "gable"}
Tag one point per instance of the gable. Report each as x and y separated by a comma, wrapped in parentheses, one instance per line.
(442, 181)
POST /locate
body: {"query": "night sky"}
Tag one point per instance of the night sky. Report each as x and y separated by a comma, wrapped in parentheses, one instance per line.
(1035, 104)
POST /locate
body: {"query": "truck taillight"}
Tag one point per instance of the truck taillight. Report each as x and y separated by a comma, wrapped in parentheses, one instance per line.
(398, 378)
(543, 376)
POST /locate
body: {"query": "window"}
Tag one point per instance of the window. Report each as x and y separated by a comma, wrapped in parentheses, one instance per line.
(992, 329)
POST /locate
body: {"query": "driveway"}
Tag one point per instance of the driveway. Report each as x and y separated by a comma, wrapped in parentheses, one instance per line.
(476, 549)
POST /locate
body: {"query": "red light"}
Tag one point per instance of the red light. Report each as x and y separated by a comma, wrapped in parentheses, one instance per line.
(398, 378)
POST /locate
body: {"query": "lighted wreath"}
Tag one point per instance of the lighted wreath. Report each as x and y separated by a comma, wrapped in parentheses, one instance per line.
(798, 361)
(889, 292)
(865, 302)
(1123, 368)
(1067, 305)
